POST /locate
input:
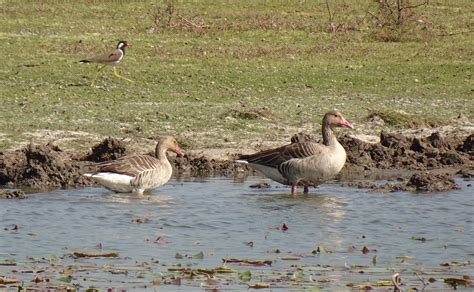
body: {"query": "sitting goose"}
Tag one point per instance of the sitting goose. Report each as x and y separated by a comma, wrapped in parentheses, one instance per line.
(304, 162)
(137, 173)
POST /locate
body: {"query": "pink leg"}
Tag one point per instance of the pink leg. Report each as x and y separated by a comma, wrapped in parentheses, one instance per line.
(306, 189)
(293, 189)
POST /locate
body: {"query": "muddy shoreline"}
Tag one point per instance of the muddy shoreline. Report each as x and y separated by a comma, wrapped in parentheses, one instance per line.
(431, 160)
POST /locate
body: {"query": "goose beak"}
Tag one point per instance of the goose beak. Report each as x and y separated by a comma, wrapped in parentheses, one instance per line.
(178, 151)
(346, 124)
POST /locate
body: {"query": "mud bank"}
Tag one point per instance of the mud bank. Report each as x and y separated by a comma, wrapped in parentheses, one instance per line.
(48, 166)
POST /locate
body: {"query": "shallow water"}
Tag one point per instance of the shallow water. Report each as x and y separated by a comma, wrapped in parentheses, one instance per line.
(224, 218)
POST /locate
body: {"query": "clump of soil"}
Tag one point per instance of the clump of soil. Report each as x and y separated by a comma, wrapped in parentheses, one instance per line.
(39, 166)
(418, 182)
(108, 149)
(202, 166)
(262, 185)
(400, 152)
(12, 194)
(428, 182)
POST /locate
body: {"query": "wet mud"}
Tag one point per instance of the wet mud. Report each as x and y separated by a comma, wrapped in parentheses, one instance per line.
(48, 166)
(419, 182)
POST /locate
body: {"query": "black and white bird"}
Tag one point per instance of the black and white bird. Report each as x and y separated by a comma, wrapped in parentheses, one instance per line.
(109, 59)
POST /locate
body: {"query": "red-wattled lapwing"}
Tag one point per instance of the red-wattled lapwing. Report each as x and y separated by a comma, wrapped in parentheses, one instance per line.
(111, 59)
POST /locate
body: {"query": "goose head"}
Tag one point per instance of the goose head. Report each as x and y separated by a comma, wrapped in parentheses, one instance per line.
(335, 119)
(169, 143)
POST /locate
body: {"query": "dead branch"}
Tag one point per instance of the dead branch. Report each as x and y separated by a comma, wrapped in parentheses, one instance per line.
(190, 22)
(330, 20)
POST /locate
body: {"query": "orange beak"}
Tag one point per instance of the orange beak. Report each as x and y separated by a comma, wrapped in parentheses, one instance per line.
(346, 124)
(178, 151)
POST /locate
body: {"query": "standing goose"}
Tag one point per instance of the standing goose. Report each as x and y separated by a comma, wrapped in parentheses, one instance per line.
(137, 173)
(111, 59)
(304, 163)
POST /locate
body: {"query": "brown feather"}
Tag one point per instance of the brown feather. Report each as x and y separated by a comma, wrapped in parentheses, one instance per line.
(275, 157)
(131, 165)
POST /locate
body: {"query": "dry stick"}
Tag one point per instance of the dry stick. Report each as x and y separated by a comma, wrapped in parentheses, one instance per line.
(396, 282)
(455, 33)
(190, 22)
(417, 5)
(421, 279)
(331, 25)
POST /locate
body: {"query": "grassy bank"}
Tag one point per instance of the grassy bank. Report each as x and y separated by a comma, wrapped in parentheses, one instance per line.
(226, 72)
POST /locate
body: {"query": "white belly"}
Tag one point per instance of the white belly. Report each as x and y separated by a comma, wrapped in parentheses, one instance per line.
(120, 183)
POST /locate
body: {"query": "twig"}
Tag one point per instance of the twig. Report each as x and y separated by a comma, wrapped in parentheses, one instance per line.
(421, 279)
(396, 282)
(190, 22)
(417, 5)
(455, 33)
(331, 25)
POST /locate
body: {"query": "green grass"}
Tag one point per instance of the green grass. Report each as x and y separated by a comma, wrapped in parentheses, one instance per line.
(202, 81)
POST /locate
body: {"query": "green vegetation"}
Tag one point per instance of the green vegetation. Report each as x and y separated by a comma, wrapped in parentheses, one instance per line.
(218, 71)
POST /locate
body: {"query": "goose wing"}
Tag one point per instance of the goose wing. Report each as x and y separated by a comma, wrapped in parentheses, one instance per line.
(275, 157)
(130, 165)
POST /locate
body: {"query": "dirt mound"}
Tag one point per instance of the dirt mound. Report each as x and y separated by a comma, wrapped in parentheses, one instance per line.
(202, 166)
(12, 194)
(39, 166)
(419, 182)
(397, 151)
(428, 182)
(108, 149)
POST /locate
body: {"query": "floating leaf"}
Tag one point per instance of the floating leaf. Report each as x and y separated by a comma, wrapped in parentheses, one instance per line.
(419, 238)
(92, 289)
(65, 279)
(199, 255)
(405, 257)
(8, 262)
(79, 254)
(178, 256)
(321, 249)
(290, 258)
(8, 280)
(383, 283)
(141, 220)
(456, 281)
(248, 262)
(156, 282)
(260, 285)
(245, 276)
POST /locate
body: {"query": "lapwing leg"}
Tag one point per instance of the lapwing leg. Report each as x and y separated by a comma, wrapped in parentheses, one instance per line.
(97, 75)
(120, 76)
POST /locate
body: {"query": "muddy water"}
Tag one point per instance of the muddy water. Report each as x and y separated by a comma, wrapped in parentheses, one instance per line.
(224, 218)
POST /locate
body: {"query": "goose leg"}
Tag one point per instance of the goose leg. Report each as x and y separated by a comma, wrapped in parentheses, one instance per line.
(120, 76)
(97, 75)
(306, 189)
(294, 189)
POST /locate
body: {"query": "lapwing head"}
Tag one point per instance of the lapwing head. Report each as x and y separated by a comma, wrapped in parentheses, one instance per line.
(122, 45)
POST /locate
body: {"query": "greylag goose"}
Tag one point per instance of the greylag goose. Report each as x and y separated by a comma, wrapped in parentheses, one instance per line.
(303, 163)
(112, 58)
(137, 173)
